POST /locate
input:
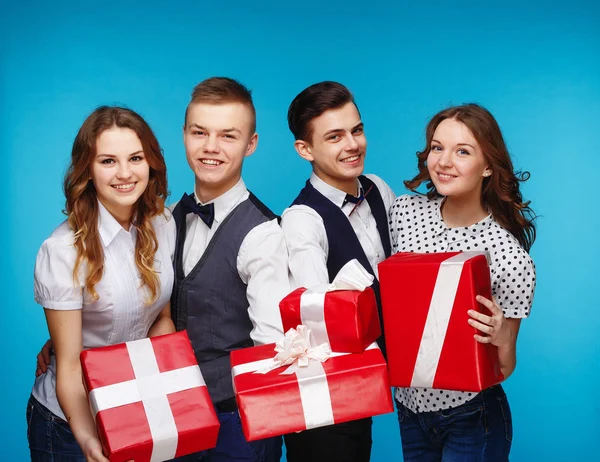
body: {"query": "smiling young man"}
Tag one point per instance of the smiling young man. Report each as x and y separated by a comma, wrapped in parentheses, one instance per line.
(230, 258)
(339, 215)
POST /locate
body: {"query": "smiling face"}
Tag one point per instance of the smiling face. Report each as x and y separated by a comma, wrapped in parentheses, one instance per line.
(456, 163)
(217, 137)
(338, 147)
(119, 172)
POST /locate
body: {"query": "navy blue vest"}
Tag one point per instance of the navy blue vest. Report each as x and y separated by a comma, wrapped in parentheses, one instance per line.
(211, 302)
(343, 243)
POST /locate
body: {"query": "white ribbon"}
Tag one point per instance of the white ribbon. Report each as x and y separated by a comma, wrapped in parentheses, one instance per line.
(438, 318)
(305, 360)
(296, 349)
(151, 387)
(352, 276)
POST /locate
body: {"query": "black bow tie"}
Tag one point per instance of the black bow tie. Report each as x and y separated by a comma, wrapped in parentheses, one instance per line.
(356, 200)
(353, 199)
(205, 212)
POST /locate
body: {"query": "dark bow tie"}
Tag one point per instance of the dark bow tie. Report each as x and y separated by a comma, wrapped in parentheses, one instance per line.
(353, 199)
(356, 200)
(205, 212)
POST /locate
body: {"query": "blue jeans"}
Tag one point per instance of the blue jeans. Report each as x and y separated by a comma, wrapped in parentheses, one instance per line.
(50, 437)
(479, 430)
(232, 446)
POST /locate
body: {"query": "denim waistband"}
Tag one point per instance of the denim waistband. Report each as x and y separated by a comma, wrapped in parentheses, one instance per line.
(493, 392)
(44, 411)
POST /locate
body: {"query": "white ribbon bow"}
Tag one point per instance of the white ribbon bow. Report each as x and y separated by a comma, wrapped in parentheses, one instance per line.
(352, 276)
(296, 349)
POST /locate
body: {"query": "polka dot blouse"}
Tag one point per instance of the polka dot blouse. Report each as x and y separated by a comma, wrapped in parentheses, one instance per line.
(416, 225)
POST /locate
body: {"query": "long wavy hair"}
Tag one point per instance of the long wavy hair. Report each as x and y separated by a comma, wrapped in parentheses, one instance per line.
(500, 192)
(82, 200)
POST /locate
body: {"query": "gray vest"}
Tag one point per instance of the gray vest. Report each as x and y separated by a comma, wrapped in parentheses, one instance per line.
(211, 301)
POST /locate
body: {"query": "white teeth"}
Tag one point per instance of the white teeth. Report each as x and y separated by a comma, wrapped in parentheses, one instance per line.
(210, 161)
(351, 159)
(123, 186)
(442, 175)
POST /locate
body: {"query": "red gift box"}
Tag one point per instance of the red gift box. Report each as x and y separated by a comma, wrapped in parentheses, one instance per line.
(346, 319)
(345, 387)
(425, 299)
(149, 399)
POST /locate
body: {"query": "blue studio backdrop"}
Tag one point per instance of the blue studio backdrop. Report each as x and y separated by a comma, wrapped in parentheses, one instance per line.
(535, 65)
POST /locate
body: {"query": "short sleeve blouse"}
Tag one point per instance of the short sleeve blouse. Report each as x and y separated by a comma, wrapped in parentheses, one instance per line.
(120, 313)
(416, 225)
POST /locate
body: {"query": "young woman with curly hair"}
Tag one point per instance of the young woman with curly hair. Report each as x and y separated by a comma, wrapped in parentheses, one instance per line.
(104, 276)
(473, 202)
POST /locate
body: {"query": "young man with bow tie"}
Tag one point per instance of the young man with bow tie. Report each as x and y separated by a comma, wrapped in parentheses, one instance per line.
(231, 267)
(338, 216)
(230, 258)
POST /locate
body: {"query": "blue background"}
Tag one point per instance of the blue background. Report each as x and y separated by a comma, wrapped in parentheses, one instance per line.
(536, 66)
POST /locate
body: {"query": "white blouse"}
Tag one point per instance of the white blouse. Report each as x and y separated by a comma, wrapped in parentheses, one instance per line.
(119, 314)
(416, 225)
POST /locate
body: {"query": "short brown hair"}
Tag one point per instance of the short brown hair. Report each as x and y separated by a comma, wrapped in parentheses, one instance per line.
(222, 90)
(314, 101)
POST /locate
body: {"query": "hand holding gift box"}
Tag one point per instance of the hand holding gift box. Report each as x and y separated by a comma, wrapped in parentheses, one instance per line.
(306, 386)
(342, 314)
(149, 399)
(425, 301)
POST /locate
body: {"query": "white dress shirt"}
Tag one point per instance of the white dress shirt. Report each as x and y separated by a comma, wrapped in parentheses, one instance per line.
(262, 262)
(417, 225)
(120, 313)
(306, 237)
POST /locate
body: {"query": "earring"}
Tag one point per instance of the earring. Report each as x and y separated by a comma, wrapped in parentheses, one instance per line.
(487, 173)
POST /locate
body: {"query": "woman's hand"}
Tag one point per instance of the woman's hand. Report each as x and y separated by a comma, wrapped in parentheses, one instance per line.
(92, 450)
(163, 324)
(497, 329)
(43, 358)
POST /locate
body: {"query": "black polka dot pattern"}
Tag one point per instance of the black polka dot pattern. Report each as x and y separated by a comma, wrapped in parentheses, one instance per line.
(416, 225)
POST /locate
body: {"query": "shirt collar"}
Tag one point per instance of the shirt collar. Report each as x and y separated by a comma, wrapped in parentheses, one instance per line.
(108, 226)
(333, 194)
(473, 230)
(226, 201)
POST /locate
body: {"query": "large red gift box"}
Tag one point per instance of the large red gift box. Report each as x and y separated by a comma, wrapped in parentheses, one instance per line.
(149, 399)
(345, 387)
(346, 319)
(425, 299)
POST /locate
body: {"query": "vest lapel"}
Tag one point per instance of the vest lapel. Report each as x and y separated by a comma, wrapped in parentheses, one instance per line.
(379, 213)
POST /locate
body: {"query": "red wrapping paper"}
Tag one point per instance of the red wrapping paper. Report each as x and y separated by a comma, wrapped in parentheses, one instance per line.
(124, 430)
(407, 283)
(271, 404)
(351, 320)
